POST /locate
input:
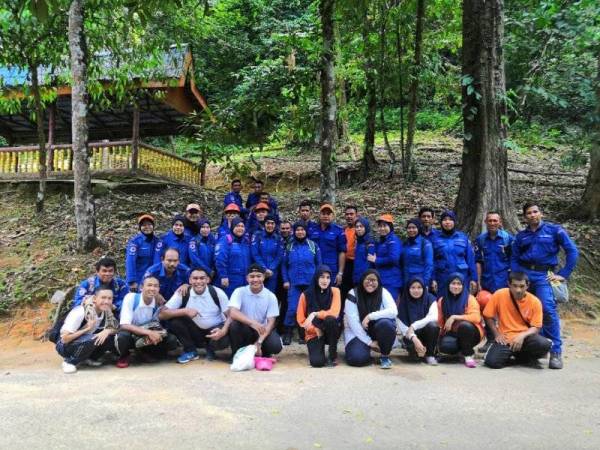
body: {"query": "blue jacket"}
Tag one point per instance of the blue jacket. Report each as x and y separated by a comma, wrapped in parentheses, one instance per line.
(168, 285)
(494, 257)
(387, 262)
(453, 253)
(361, 264)
(234, 197)
(139, 256)
(202, 253)
(417, 260)
(267, 250)
(432, 234)
(253, 225)
(300, 261)
(541, 247)
(89, 285)
(171, 240)
(331, 242)
(233, 256)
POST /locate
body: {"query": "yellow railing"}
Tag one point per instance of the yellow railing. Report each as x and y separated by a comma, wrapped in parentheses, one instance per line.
(17, 162)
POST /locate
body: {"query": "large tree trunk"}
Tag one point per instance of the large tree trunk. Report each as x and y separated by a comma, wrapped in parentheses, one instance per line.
(369, 161)
(381, 85)
(39, 119)
(399, 52)
(484, 183)
(84, 201)
(414, 88)
(328, 141)
(590, 202)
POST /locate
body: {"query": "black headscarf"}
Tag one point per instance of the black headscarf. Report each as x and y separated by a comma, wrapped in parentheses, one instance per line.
(296, 225)
(368, 303)
(455, 304)
(417, 223)
(318, 299)
(411, 309)
(452, 215)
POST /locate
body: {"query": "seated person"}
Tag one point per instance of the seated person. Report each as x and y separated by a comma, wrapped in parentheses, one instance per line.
(170, 273)
(139, 326)
(459, 319)
(253, 310)
(369, 321)
(418, 320)
(105, 275)
(519, 315)
(198, 319)
(88, 331)
(317, 313)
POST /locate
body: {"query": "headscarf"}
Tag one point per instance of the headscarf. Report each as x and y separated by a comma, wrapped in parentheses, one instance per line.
(365, 302)
(455, 304)
(234, 223)
(367, 236)
(318, 299)
(270, 217)
(210, 238)
(452, 215)
(300, 223)
(417, 223)
(411, 309)
(391, 225)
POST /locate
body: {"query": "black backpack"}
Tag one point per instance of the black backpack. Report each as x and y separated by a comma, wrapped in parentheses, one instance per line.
(211, 290)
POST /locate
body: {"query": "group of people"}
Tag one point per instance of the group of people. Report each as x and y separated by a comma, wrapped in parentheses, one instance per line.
(259, 278)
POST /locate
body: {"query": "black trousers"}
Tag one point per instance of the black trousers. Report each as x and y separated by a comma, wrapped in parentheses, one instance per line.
(347, 283)
(192, 336)
(125, 342)
(428, 335)
(316, 346)
(282, 299)
(463, 340)
(383, 331)
(241, 335)
(84, 347)
(534, 347)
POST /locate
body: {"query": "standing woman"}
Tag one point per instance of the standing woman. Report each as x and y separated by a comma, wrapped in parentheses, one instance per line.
(233, 257)
(387, 256)
(140, 252)
(178, 238)
(202, 249)
(417, 254)
(318, 311)
(369, 322)
(418, 320)
(459, 318)
(267, 251)
(364, 247)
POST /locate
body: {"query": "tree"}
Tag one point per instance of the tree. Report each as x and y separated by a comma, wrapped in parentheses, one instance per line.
(590, 202)
(484, 183)
(369, 162)
(328, 142)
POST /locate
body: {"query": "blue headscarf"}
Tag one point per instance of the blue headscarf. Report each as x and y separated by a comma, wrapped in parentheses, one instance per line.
(210, 238)
(452, 215)
(300, 223)
(367, 236)
(411, 309)
(455, 304)
(417, 223)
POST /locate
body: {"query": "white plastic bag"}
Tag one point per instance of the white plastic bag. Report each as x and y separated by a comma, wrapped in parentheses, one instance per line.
(244, 359)
(561, 292)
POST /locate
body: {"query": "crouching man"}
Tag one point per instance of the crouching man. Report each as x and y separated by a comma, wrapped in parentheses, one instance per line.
(519, 315)
(253, 309)
(199, 318)
(140, 328)
(88, 331)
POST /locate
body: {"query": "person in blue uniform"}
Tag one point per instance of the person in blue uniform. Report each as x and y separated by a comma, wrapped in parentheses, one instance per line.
(387, 256)
(177, 237)
(172, 275)
(202, 250)
(230, 212)
(417, 254)
(535, 252)
(365, 246)
(105, 276)
(452, 253)
(267, 251)
(233, 257)
(193, 214)
(235, 197)
(256, 219)
(427, 217)
(139, 252)
(305, 213)
(492, 254)
(331, 239)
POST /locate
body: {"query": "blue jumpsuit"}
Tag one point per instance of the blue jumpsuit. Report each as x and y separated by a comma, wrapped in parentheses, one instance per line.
(171, 240)
(388, 250)
(202, 253)
(364, 247)
(535, 253)
(168, 285)
(232, 256)
(331, 241)
(267, 251)
(453, 253)
(494, 256)
(139, 256)
(417, 260)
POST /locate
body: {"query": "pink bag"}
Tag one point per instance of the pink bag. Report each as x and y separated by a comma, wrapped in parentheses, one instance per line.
(262, 363)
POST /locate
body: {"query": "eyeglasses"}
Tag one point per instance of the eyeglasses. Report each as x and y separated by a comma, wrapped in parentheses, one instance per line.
(372, 280)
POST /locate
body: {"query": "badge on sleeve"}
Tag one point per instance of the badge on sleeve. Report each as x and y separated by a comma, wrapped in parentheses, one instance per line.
(132, 249)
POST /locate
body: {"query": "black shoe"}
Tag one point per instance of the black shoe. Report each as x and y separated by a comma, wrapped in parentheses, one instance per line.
(210, 354)
(301, 340)
(485, 347)
(555, 361)
(331, 362)
(286, 339)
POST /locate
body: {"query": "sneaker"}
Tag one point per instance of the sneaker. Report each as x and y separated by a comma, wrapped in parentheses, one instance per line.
(69, 368)
(331, 362)
(210, 354)
(555, 361)
(431, 361)
(485, 347)
(123, 362)
(470, 362)
(385, 362)
(286, 339)
(187, 357)
(92, 362)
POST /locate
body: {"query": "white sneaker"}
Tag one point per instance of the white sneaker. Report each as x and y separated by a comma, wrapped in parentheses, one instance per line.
(431, 361)
(92, 362)
(68, 368)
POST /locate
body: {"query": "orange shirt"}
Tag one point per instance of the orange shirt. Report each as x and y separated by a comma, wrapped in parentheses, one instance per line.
(334, 310)
(510, 322)
(472, 314)
(350, 242)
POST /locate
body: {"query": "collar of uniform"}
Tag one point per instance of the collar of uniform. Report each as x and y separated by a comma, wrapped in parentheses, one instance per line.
(163, 272)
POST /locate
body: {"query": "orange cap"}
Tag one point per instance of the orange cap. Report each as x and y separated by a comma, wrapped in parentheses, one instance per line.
(325, 206)
(386, 218)
(232, 207)
(145, 217)
(262, 206)
(193, 206)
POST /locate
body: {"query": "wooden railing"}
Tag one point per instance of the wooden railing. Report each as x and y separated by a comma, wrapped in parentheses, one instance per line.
(116, 156)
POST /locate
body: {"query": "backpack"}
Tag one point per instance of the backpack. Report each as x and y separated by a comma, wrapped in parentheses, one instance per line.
(136, 303)
(62, 310)
(211, 290)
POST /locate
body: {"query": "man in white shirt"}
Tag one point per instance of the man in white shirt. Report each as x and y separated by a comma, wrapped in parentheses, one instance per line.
(199, 318)
(139, 327)
(253, 310)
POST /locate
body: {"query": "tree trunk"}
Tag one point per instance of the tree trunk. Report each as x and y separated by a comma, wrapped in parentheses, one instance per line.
(414, 87)
(39, 119)
(84, 201)
(484, 182)
(342, 113)
(399, 52)
(381, 84)
(369, 161)
(590, 202)
(328, 141)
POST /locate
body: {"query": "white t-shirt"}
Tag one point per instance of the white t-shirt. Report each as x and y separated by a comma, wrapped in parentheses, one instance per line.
(209, 315)
(143, 313)
(75, 318)
(259, 307)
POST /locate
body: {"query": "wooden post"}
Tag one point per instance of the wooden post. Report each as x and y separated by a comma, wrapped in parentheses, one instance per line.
(51, 129)
(135, 139)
